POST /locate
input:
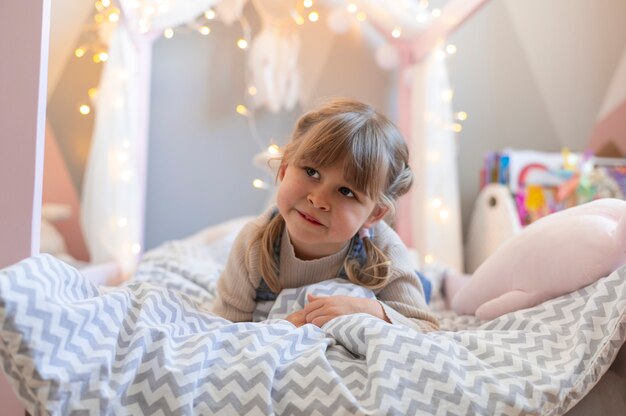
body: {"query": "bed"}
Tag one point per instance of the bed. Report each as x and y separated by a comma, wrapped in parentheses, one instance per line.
(151, 346)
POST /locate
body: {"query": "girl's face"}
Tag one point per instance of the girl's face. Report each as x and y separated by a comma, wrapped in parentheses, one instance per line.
(322, 210)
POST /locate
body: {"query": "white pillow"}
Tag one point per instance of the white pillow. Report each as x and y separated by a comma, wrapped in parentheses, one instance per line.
(52, 241)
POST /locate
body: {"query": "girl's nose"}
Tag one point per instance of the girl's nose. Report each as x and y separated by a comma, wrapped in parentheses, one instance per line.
(318, 201)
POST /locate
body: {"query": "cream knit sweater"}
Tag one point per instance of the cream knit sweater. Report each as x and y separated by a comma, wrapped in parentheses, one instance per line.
(402, 298)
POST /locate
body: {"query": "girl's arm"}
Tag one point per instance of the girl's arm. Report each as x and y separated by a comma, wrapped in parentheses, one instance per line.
(236, 293)
(321, 309)
(403, 302)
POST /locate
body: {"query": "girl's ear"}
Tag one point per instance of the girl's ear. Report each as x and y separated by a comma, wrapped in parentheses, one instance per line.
(377, 214)
(281, 171)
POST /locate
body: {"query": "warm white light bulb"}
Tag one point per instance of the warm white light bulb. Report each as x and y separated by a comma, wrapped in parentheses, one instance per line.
(361, 16)
(273, 149)
(135, 248)
(252, 90)
(100, 57)
(314, 16)
(447, 95)
(437, 203)
(352, 8)
(242, 43)
(122, 222)
(84, 109)
(259, 184)
(396, 33)
(209, 14)
(451, 49)
(241, 109)
(461, 115)
(307, 3)
(168, 33)
(444, 214)
(429, 258)
(205, 30)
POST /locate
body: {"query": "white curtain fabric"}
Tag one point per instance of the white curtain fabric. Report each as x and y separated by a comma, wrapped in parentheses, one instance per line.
(435, 207)
(112, 209)
(112, 183)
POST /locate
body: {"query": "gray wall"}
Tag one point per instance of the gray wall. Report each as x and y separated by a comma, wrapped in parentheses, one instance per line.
(493, 84)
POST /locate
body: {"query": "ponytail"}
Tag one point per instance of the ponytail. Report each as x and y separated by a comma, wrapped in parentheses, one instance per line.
(267, 261)
(376, 271)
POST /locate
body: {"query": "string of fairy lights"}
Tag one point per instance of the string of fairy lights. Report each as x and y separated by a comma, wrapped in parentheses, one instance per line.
(94, 45)
(94, 42)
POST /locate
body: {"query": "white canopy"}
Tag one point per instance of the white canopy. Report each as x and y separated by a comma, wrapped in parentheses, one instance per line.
(114, 185)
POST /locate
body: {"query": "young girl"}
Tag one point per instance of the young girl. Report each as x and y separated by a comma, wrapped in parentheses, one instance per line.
(339, 177)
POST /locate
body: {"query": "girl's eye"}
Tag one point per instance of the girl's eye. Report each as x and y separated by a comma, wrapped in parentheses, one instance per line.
(311, 172)
(347, 192)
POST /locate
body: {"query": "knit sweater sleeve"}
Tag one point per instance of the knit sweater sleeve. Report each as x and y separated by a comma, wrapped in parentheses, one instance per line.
(236, 287)
(402, 298)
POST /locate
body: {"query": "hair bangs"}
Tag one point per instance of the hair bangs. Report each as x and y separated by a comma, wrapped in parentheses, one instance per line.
(363, 156)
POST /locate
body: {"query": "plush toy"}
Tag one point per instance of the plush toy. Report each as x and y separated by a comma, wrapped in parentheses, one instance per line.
(555, 255)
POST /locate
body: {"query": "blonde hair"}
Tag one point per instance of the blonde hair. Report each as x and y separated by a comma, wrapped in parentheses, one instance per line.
(375, 159)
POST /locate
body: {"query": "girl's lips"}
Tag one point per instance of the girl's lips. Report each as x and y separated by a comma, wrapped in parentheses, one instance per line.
(309, 218)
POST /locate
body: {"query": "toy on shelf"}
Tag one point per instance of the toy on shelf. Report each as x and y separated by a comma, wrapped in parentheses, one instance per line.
(542, 182)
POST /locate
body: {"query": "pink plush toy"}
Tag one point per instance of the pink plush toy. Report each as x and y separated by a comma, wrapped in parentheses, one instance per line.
(555, 255)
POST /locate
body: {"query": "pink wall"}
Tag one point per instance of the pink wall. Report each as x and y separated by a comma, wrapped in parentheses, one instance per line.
(23, 102)
(23, 66)
(611, 128)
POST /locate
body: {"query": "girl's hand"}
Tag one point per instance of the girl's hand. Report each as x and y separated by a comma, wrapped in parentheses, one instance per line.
(322, 309)
(297, 318)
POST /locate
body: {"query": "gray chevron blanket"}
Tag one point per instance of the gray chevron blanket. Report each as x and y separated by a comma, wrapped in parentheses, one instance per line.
(152, 347)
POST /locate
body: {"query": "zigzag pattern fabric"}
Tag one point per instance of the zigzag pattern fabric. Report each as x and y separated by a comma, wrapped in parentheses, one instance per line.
(292, 300)
(68, 346)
